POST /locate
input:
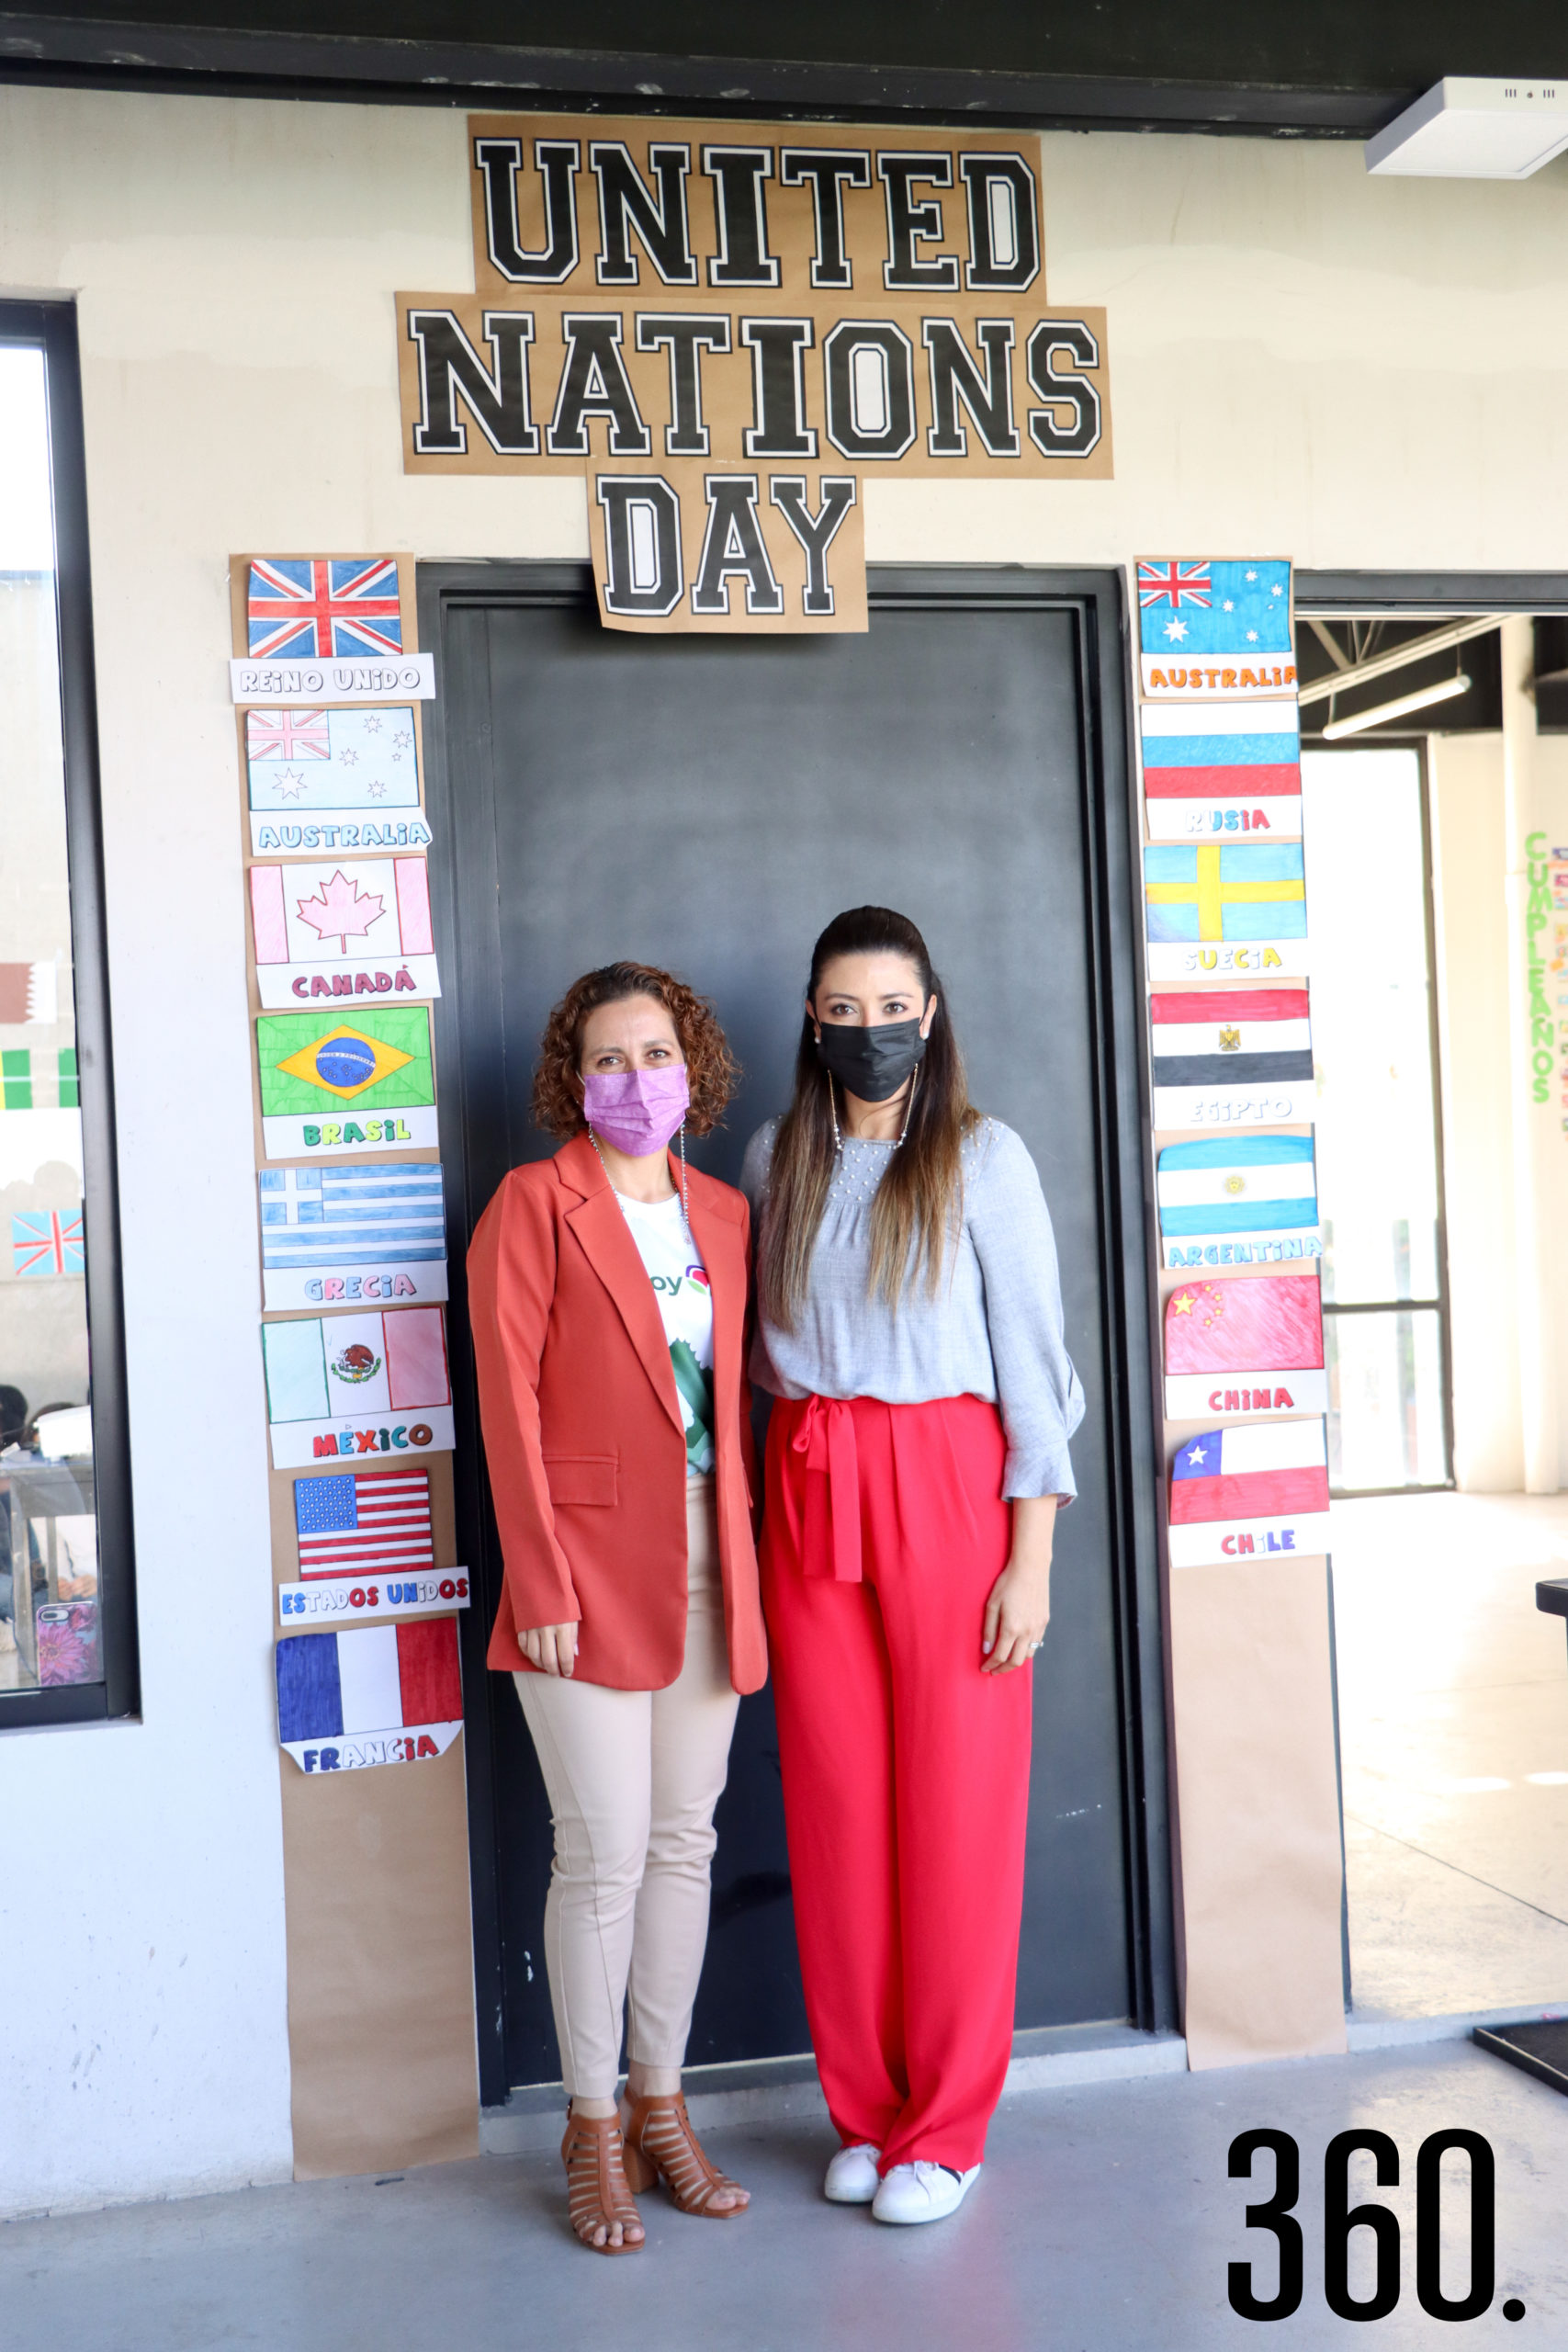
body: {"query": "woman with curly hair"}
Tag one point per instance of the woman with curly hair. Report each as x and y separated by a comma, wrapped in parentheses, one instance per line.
(607, 1295)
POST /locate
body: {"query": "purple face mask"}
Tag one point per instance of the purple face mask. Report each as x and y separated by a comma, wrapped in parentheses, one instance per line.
(636, 1111)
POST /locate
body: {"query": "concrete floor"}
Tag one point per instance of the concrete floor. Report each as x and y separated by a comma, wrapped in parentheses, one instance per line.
(1453, 1714)
(1103, 2222)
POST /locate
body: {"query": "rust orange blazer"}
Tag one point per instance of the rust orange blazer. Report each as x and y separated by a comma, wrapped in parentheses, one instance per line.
(584, 1435)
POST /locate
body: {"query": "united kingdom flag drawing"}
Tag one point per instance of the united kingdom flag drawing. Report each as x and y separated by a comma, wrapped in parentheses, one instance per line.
(1174, 584)
(319, 608)
(47, 1241)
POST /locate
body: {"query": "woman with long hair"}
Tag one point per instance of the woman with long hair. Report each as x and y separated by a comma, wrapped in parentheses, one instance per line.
(607, 1293)
(909, 1326)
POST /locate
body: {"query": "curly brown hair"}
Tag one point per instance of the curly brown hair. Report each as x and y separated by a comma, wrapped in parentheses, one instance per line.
(711, 1070)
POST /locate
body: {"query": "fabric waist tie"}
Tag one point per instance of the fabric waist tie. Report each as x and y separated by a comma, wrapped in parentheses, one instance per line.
(827, 1437)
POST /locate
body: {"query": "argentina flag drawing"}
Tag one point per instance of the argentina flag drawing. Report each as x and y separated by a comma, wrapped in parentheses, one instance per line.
(345, 1236)
(1238, 1201)
(1216, 909)
(364, 1084)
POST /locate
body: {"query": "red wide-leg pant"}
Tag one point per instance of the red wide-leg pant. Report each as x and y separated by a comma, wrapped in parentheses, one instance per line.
(906, 1769)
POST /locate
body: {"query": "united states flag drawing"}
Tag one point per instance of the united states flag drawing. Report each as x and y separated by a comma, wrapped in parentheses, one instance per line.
(363, 1526)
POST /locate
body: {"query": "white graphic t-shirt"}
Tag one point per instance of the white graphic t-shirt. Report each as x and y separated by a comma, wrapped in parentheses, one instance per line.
(680, 1285)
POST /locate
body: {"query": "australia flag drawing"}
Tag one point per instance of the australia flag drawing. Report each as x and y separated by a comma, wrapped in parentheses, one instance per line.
(318, 608)
(1238, 610)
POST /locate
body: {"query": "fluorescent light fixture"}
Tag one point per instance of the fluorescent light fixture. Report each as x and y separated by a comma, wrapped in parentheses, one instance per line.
(1444, 691)
(1466, 129)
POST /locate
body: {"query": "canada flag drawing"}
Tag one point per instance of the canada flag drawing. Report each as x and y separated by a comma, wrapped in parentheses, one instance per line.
(356, 928)
(1258, 1492)
(1249, 1344)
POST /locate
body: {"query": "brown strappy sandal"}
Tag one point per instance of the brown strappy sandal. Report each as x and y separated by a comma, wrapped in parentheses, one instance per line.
(660, 2141)
(597, 2192)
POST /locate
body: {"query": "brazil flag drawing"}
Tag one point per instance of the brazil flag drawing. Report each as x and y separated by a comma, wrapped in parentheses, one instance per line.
(366, 1082)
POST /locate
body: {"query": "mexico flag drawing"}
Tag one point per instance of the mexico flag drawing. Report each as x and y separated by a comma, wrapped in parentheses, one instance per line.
(365, 1082)
(1256, 1492)
(1253, 1345)
(1232, 1057)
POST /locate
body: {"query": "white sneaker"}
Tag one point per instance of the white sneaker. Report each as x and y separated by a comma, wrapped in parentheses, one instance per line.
(852, 2177)
(922, 2193)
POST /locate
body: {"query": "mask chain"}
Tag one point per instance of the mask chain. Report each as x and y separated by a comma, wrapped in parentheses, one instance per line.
(833, 1113)
(685, 1203)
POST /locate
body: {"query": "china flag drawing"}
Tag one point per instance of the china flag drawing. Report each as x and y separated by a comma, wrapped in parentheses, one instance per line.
(380, 1694)
(1254, 1493)
(1251, 1344)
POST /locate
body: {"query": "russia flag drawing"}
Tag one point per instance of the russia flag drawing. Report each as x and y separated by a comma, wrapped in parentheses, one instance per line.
(1222, 768)
(380, 1694)
(1258, 1491)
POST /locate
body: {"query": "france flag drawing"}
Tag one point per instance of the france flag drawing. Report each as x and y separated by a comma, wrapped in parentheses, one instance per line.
(380, 1694)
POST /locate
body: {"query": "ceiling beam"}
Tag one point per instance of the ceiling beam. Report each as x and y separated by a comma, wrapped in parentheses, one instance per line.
(1383, 665)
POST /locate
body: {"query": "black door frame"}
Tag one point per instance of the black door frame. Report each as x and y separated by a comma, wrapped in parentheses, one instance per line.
(1097, 600)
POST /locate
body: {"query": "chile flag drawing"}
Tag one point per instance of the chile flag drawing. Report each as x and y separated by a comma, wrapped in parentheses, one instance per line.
(1259, 1491)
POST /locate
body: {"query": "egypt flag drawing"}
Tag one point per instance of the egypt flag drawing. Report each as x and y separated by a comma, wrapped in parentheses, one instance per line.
(1255, 1492)
(1231, 768)
(1237, 1201)
(358, 929)
(321, 780)
(1215, 909)
(344, 1236)
(1226, 1057)
(357, 1386)
(377, 1694)
(1250, 1345)
(1213, 630)
(365, 1082)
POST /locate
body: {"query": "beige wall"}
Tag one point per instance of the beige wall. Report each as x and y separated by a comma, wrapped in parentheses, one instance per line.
(1353, 372)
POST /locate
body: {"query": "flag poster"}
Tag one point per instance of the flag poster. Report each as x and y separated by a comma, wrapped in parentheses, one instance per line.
(329, 780)
(1237, 1201)
(367, 1550)
(1230, 768)
(1226, 1057)
(1254, 1492)
(28, 992)
(303, 608)
(46, 1242)
(378, 1694)
(365, 1082)
(357, 1386)
(1210, 630)
(1215, 910)
(358, 929)
(1253, 1345)
(341, 1235)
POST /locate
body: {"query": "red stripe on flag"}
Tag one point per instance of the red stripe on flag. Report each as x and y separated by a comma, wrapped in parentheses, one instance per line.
(1256, 1493)
(427, 1672)
(1276, 781)
(1198, 1008)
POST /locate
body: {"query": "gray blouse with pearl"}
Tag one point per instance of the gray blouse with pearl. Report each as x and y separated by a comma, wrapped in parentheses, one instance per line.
(994, 1328)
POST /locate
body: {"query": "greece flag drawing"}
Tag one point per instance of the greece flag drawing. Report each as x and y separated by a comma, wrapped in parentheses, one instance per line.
(343, 1235)
(1254, 1492)
(1238, 1201)
(380, 1694)
(1223, 768)
(1228, 1057)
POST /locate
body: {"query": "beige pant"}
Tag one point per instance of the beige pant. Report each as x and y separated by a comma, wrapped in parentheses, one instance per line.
(633, 1777)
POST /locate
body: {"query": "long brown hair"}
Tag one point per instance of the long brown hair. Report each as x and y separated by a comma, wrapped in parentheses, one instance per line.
(918, 1203)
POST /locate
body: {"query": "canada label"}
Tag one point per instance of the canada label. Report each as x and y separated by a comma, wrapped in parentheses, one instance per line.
(343, 1600)
(300, 1445)
(283, 986)
(1190, 1395)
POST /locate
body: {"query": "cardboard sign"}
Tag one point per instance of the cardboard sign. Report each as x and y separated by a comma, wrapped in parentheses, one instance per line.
(330, 780)
(362, 1082)
(1253, 1345)
(730, 328)
(358, 1386)
(360, 928)
(1257, 1492)
(342, 1236)
(1238, 1201)
(1214, 630)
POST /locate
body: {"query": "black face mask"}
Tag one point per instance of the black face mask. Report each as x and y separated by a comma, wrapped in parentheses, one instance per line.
(872, 1063)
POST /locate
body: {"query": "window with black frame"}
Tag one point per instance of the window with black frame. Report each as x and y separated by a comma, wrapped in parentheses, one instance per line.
(66, 1623)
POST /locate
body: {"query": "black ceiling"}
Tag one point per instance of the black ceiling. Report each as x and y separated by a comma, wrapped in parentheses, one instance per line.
(1339, 68)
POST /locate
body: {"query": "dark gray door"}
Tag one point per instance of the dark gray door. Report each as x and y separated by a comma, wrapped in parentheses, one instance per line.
(706, 804)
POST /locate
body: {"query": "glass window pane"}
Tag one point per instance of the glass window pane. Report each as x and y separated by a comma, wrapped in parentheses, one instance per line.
(1385, 1400)
(49, 1552)
(1371, 1025)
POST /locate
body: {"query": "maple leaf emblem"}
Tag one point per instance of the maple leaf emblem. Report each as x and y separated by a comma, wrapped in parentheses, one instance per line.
(341, 911)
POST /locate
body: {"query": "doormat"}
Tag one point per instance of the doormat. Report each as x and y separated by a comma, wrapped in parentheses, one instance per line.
(1542, 2049)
